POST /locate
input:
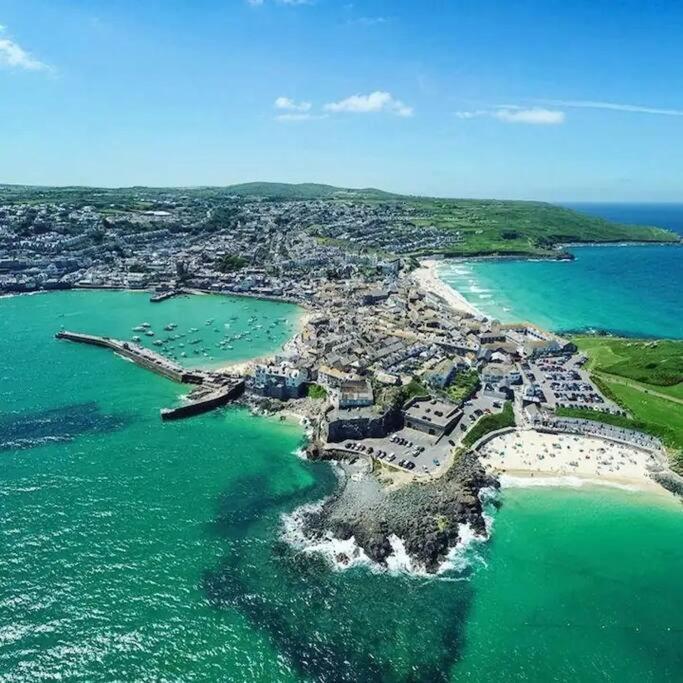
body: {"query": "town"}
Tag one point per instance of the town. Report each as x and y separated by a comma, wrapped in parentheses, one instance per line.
(402, 375)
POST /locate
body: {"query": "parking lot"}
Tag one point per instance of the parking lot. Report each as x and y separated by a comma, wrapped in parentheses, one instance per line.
(564, 382)
(425, 453)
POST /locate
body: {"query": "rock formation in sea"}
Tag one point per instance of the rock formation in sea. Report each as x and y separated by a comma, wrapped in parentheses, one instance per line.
(426, 515)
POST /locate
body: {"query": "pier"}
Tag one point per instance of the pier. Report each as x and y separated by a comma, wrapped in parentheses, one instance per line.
(217, 390)
(139, 355)
(209, 401)
(158, 297)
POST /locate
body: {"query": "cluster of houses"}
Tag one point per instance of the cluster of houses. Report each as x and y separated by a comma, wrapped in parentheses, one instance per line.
(372, 326)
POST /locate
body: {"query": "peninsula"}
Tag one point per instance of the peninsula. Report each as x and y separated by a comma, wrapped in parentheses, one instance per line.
(421, 399)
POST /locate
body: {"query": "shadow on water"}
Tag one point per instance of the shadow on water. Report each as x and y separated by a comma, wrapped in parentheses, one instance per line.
(353, 625)
(20, 431)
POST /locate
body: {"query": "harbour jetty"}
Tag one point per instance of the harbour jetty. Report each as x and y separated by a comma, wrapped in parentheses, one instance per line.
(208, 401)
(138, 354)
(213, 390)
(160, 296)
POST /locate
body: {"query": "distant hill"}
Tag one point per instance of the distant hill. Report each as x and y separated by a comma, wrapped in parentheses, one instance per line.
(305, 191)
(485, 227)
(284, 191)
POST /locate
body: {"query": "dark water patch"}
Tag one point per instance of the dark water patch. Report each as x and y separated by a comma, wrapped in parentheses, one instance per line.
(350, 626)
(243, 503)
(19, 431)
(355, 625)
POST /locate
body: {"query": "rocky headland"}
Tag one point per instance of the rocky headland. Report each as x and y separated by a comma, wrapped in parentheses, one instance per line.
(427, 516)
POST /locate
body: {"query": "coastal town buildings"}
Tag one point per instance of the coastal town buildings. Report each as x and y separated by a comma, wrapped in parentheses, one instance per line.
(374, 335)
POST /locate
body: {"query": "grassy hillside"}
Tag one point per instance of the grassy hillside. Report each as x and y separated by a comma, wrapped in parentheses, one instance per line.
(516, 227)
(657, 362)
(304, 191)
(485, 227)
(646, 379)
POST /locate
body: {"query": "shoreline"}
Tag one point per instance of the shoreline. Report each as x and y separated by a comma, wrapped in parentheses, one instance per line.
(242, 367)
(427, 277)
(569, 460)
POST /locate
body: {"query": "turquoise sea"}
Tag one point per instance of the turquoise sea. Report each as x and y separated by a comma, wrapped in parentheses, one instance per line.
(629, 290)
(131, 549)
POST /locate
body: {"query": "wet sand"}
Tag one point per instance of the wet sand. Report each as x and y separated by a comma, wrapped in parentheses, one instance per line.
(427, 277)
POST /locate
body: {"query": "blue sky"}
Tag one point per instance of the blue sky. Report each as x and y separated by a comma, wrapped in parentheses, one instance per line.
(541, 99)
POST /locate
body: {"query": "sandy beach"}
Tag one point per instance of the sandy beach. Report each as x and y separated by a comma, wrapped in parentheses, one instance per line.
(427, 277)
(531, 453)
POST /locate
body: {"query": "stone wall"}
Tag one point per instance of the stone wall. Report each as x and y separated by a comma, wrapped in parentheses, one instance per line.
(336, 428)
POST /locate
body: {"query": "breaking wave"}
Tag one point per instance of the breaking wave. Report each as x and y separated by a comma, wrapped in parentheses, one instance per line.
(509, 482)
(345, 554)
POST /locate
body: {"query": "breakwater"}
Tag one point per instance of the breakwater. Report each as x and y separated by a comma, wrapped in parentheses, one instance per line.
(220, 389)
(164, 295)
(214, 399)
(138, 354)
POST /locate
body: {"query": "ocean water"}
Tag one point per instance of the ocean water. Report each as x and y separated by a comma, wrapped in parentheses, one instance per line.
(629, 290)
(137, 550)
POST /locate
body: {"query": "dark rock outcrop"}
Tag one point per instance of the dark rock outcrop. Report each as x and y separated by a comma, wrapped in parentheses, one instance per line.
(426, 516)
(670, 481)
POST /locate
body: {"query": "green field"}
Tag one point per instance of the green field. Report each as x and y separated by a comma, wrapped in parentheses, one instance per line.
(646, 379)
(658, 362)
(490, 423)
(519, 227)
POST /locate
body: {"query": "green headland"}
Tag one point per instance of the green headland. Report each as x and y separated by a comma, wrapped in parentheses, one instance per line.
(645, 377)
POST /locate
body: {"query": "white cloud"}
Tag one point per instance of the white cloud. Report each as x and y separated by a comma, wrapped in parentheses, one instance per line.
(288, 104)
(612, 106)
(14, 56)
(374, 102)
(535, 116)
(513, 114)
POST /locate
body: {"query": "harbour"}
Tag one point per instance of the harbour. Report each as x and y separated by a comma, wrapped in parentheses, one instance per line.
(218, 389)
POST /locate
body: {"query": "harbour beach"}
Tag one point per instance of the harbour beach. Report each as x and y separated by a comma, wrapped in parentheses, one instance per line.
(566, 459)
